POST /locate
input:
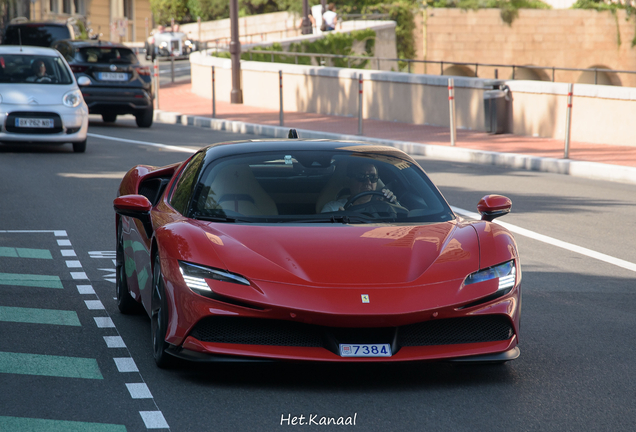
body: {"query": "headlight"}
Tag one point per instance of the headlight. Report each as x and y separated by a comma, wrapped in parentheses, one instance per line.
(188, 43)
(72, 98)
(195, 277)
(506, 273)
(163, 44)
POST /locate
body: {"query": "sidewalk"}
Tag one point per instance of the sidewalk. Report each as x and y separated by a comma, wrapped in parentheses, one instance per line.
(540, 153)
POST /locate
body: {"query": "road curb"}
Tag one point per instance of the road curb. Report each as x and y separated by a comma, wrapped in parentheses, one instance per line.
(590, 170)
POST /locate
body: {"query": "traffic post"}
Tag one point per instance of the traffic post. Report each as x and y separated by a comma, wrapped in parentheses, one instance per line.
(451, 107)
(568, 123)
(281, 120)
(360, 83)
(156, 75)
(213, 94)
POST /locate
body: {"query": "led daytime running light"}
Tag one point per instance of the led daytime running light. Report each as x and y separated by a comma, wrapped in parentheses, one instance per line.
(195, 276)
(506, 272)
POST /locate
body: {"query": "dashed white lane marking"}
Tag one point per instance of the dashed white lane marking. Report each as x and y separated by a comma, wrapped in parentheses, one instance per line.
(104, 322)
(85, 289)
(73, 264)
(94, 304)
(153, 419)
(126, 364)
(146, 143)
(78, 275)
(554, 242)
(68, 252)
(114, 342)
(139, 391)
(63, 242)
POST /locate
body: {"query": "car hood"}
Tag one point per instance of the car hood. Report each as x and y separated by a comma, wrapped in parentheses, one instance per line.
(346, 254)
(34, 94)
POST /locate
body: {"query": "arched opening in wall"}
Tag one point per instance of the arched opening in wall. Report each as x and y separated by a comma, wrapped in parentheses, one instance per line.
(459, 70)
(599, 77)
(531, 74)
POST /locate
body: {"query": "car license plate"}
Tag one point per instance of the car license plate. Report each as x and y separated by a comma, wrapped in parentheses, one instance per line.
(365, 350)
(113, 76)
(33, 123)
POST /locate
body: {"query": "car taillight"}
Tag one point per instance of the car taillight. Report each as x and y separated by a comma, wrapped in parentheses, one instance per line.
(143, 70)
(78, 69)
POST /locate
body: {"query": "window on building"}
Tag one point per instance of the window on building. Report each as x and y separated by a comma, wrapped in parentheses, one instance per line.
(128, 9)
(54, 6)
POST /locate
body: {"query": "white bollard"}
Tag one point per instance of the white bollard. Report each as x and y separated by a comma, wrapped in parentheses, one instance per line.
(213, 94)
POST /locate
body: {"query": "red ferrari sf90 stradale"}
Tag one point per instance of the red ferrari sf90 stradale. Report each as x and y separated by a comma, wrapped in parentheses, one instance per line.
(313, 250)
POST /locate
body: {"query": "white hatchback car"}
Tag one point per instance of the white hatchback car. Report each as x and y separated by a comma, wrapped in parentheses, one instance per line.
(40, 101)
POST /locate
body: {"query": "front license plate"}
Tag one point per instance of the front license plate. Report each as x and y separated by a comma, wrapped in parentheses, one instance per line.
(365, 350)
(33, 123)
(113, 76)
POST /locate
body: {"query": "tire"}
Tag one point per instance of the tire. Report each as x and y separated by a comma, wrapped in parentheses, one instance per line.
(79, 147)
(144, 118)
(159, 318)
(147, 51)
(109, 118)
(125, 302)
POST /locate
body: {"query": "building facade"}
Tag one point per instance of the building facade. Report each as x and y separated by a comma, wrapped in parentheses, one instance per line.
(113, 20)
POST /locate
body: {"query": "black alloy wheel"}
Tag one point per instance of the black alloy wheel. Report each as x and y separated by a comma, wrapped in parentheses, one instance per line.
(159, 318)
(109, 118)
(125, 302)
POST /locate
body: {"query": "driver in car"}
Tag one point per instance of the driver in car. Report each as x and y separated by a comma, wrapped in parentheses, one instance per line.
(363, 177)
(39, 69)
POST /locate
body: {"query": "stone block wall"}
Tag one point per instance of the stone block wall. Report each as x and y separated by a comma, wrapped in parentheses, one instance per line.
(565, 38)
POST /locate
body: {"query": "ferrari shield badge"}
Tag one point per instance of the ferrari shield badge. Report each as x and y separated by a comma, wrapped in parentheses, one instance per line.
(365, 298)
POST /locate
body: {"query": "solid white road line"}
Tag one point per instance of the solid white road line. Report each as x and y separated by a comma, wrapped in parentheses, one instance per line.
(146, 143)
(554, 242)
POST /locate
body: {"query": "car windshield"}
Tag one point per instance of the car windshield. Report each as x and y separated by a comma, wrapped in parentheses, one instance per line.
(341, 186)
(33, 69)
(106, 55)
(35, 34)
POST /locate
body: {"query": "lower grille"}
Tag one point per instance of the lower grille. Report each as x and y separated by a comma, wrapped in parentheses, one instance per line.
(487, 328)
(254, 331)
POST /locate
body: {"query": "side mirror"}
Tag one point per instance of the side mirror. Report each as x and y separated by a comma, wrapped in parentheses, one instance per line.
(84, 81)
(493, 206)
(135, 206)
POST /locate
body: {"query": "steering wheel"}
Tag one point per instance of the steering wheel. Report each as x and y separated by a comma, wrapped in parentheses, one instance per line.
(355, 198)
(44, 79)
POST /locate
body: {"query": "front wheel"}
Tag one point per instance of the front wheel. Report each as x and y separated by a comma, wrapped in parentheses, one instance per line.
(144, 118)
(159, 318)
(79, 147)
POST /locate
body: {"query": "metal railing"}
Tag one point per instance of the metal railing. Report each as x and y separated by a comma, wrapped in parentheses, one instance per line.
(441, 63)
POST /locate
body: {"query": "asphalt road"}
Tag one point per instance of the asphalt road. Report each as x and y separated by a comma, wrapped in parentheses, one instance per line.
(576, 370)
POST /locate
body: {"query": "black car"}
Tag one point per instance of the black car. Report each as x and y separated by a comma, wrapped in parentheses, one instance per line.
(42, 34)
(111, 78)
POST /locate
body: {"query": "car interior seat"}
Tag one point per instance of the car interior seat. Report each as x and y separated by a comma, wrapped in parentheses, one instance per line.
(235, 188)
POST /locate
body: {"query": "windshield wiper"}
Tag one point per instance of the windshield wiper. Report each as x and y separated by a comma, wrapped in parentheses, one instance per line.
(344, 219)
(214, 218)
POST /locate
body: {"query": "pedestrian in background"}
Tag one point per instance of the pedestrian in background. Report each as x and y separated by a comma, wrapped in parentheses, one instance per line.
(329, 18)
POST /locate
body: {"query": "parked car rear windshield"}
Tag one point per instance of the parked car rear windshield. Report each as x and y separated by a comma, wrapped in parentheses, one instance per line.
(33, 69)
(106, 55)
(35, 34)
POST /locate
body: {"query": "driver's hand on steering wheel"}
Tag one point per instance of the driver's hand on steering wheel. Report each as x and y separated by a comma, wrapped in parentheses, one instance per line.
(390, 196)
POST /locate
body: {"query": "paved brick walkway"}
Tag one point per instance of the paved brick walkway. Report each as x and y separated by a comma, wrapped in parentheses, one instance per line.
(179, 98)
